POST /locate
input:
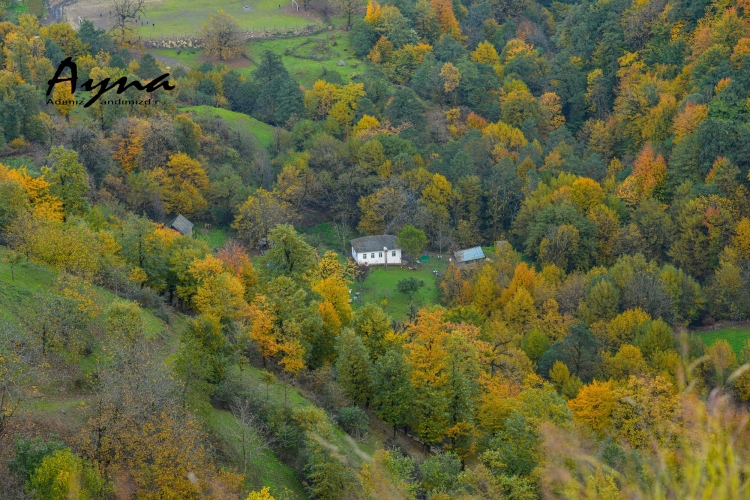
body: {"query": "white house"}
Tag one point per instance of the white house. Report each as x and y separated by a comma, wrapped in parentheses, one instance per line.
(374, 250)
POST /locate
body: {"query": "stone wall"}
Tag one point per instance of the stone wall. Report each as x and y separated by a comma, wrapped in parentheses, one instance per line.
(195, 42)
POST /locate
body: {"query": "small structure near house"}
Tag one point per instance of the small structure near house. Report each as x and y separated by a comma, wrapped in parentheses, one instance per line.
(468, 256)
(371, 250)
(503, 246)
(341, 63)
(181, 225)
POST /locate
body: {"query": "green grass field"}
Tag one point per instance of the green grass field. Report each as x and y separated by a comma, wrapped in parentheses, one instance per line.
(263, 132)
(171, 18)
(215, 237)
(188, 57)
(303, 70)
(735, 336)
(306, 71)
(380, 286)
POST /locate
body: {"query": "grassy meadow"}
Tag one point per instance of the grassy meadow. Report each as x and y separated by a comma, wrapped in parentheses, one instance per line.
(304, 57)
(263, 132)
(17, 291)
(381, 287)
(172, 18)
(329, 47)
(736, 336)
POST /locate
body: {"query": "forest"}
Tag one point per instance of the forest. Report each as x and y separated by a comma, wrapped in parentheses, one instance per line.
(598, 150)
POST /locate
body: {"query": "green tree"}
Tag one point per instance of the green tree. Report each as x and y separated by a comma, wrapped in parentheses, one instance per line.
(259, 214)
(188, 134)
(203, 358)
(59, 325)
(221, 36)
(409, 286)
(412, 240)
(535, 344)
(373, 325)
(326, 474)
(28, 454)
(655, 337)
(148, 68)
(64, 475)
(290, 255)
(68, 181)
(350, 8)
(440, 473)
(579, 351)
(279, 96)
(125, 321)
(392, 390)
(13, 201)
(353, 367)
(516, 449)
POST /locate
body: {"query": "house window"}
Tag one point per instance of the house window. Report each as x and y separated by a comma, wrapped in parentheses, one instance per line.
(364, 255)
(393, 253)
(380, 255)
(372, 255)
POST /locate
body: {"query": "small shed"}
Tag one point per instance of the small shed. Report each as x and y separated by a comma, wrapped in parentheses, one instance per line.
(181, 225)
(468, 256)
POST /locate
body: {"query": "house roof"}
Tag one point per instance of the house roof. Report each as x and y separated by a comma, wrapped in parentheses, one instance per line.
(181, 224)
(469, 254)
(375, 243)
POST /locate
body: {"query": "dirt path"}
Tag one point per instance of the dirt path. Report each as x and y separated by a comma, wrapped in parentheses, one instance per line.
(169, 60)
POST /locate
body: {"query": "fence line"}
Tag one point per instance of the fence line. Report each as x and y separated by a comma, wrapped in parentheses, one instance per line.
(193, 41)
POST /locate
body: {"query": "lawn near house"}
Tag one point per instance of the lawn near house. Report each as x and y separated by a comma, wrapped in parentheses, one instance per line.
(380, 287)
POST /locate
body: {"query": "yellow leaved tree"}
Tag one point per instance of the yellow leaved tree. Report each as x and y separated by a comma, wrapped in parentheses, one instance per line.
(221, 36)
(182, 182)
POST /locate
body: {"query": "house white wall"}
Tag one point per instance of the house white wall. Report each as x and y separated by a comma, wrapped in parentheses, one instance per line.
(375, 258)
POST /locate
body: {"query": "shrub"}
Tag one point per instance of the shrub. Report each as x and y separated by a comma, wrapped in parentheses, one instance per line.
(355, 421)
(29, 454)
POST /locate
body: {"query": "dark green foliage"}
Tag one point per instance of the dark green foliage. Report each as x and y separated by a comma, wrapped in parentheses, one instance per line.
(353, 368)
(439, 473)
(328, 478)
(117, 61)
(354, 421)
(514, 446)
(29, 453)
(392, 391)
(207, 86)
(269, 68)
(409, 286)
(241, 95)
(405, 108)
(448, 49)
(148, 68)
(535, 344)
(362, 37)
(579, 351)
(9, 113)
(289, 256)
(92, 150)
(54, 53)
(97, 40)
